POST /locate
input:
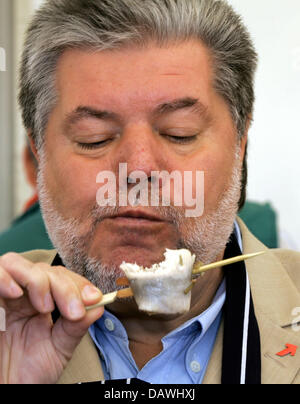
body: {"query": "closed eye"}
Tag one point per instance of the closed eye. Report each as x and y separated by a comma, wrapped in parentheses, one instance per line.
(92, 146)
(181, 139)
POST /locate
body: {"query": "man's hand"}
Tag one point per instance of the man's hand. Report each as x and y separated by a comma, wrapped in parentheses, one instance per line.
(33, 350)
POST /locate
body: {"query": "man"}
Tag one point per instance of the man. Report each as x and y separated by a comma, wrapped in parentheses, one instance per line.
(161, 86)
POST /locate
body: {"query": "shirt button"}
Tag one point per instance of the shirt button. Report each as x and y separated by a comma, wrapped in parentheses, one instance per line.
(195, 366)
(109, 324)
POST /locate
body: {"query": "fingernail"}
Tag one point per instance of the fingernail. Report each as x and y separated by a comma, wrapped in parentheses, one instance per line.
(91, 292)
(15, 290)
(76, 309)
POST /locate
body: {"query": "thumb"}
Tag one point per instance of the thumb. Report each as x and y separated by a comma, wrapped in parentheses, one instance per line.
(66, 334)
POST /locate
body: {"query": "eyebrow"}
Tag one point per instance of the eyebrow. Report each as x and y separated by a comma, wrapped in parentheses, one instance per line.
(84, 112)
(182, 103)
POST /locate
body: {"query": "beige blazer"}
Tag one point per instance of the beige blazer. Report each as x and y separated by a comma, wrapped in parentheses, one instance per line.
(275, 286)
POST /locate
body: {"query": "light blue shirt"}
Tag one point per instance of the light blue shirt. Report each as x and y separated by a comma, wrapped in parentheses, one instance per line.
(186, 350)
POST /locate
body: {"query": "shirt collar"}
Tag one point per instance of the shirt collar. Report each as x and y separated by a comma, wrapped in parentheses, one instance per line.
(203, 321)
(206, 318)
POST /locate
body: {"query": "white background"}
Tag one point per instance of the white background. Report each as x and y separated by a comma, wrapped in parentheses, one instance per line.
(274, 167)
(274, 150)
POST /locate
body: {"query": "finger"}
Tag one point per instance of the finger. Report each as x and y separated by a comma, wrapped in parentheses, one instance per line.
(17, 267)
(66, 294)
(8, 287)
(90, 294)
(33, 278)
(46, 285)
(39, 289)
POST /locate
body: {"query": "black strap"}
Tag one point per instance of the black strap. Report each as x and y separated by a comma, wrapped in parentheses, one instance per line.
(57, 262)
(241, 362)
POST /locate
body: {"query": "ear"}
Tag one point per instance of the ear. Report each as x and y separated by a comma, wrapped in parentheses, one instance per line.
(30, 166)
(33, 146)
(244, 140)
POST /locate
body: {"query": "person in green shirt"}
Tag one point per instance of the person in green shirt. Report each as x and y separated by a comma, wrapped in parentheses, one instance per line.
(27, 232)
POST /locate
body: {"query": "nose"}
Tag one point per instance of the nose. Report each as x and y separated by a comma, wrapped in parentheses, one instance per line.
(139, 148)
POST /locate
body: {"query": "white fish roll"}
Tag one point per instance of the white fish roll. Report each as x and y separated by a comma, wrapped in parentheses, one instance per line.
(160, 289)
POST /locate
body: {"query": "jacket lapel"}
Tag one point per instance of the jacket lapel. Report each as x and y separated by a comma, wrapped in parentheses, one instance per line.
(84, 366)
(276, 369)
(274, 296)
(214, 370)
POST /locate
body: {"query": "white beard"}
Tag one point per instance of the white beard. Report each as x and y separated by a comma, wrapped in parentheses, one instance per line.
(206, 237)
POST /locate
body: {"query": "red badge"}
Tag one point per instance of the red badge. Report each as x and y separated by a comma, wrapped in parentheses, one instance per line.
(290, 350)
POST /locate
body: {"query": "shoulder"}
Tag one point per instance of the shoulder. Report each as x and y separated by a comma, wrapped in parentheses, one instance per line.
(46, 256)
(283, 265)
(290, 260)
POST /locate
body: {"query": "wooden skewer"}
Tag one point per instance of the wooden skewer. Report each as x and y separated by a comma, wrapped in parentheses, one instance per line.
(111, 297)
(188, 290)
(199, 268)
(122, 281)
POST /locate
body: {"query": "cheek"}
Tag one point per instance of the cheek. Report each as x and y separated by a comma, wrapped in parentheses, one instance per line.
(217, 170)
(73, 184)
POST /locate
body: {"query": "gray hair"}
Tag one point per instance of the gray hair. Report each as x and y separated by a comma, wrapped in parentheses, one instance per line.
(112, 24)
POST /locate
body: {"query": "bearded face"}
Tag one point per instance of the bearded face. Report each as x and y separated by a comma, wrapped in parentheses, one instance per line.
(156, 110)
